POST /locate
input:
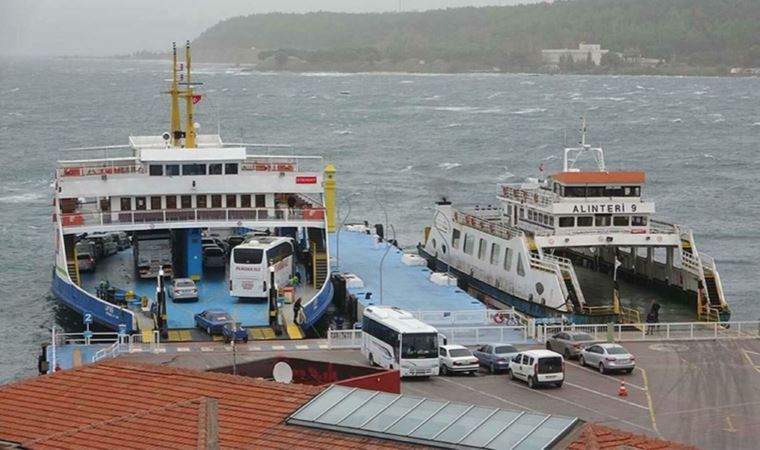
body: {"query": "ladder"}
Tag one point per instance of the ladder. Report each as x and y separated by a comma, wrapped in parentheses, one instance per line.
(72, 265)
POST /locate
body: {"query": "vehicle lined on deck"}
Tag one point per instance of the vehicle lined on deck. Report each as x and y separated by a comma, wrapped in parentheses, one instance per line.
(122, 240)
(608, 357)
(214, 256)
(538, 367)
(183, 289)
(234, 332)
(212, 320)
(570, 343)
(457, 358)
(86, 262)
(495, 357)
(105, 242)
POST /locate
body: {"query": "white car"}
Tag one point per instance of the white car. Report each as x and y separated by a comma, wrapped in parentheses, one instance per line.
(537, 367)
(183, 289)
(608, 357)
(456, 358)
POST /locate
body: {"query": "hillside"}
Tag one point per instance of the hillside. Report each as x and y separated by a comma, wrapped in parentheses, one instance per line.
(682, 33)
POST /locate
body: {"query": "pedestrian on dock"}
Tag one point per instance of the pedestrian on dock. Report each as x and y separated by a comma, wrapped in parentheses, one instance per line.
(297, 311)
(653, 317)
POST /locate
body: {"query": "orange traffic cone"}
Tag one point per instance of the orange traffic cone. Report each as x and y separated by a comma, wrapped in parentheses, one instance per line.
(622, 390)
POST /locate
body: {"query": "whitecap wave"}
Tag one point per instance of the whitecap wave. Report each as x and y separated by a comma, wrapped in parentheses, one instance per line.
(550, 158)
(709, 156)
(459, 125)
(676, 120)
(22, 198)
(406, 169)
(448, 165)
(342, 132)
(406, 82)
(528, 83)
(11, 90)
(529, 111)
(495, 94)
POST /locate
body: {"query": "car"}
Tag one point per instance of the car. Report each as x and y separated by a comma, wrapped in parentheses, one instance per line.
(86, 262)
(608, 357)
(105, 242)
(235, 240)
(122, 240)
(495, 357)
(214, 256)
(183, 289)
(569, 343)
(233, 332)
(212, 240)
(212, 320)
(456, 358)
(538, 367)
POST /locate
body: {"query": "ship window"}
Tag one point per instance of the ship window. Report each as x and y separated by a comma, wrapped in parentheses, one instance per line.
(155, 203)
(585, 221)
(216, 201)
(595, 191)
(186, 202)
(434, 243)
(214, 169)
(530, 214)
(482, 249)
(495, 250)
(200, 201)
(156, 170)
(245, 200)
(546, 220)
(522, 212)
(231, 168)
(260, 201)
(172, 170)
(551, 221)
(520, 268)
(193, 169)
(638, 221)
(507, 259)
(575, 191)
(126, 203)
(566, 222)
(602, 220)
(620, 221)
(171, 202)
(456, 235)
(443, 248)
(140, 203)
(468, 244)
(231, 201)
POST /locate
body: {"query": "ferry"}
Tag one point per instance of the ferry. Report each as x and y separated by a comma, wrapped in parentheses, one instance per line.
(130, 218)
(561, 248)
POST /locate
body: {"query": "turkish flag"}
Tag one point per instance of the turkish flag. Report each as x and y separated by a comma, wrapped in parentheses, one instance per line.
(196, 99)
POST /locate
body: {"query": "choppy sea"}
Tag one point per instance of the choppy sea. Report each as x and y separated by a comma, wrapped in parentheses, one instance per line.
(400, 141)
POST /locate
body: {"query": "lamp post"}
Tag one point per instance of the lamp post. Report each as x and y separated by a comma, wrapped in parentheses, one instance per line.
(337, 232)
(382, 260)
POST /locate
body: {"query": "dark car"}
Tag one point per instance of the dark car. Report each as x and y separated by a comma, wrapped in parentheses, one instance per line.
(232, 331)
(495, 357)
(212, 320)
(234, 241)
(569, 343)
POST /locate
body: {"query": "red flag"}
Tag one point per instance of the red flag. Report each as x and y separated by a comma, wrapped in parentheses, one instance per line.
(196, 99)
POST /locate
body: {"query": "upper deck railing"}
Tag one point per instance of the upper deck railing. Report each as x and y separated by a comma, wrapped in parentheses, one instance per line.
(534, 195)
(486, 220)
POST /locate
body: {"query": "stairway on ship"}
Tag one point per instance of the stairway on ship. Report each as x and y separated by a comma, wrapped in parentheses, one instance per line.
(72, 265)
(318, 253)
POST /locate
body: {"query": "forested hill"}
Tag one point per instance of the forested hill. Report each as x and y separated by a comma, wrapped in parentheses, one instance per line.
(700, 33)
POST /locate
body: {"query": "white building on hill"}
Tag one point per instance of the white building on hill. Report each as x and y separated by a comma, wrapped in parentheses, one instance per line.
(552, 57)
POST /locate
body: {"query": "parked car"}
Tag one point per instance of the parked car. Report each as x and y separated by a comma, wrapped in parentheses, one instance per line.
(212, 320)
(183, 289)
(232, 331)
(495, 357)
(538, 367)
(106, 242)
(212, 240)
(86, 262)
(456, 358)
(213, 256)
(122, 240)
(569, 343)
(608, 357)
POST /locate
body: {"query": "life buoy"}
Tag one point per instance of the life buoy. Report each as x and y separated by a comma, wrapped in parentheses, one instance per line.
(498, 318)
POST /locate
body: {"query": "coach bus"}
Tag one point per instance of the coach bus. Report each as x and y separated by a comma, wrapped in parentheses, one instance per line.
(252, 264)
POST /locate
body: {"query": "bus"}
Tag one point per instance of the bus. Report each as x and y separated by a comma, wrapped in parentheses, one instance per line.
(394, 339)
(252, 263)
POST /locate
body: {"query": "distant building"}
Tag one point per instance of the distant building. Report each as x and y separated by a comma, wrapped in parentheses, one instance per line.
(553, 57)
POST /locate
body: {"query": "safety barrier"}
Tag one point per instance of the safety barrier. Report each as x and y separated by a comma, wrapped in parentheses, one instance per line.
(471, 317)
(670, 331)
(485, 335)
(344, 339)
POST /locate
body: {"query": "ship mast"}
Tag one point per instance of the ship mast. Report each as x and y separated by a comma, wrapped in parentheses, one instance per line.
(176, 131)
(189, 125)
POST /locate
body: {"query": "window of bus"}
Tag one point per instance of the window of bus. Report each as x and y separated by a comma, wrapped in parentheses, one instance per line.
(602, 220)
(638, 221)
(621, 221)
(171, 202)
(482, 249)
(247, 255)
(200, 201)
(186, 201)
(469, 244)
(419, 345)
(585, 221)
(214, 169)
(216, 201)
(495, 250)
(380, 331)
(245, 200)
(278, 253)
(456, 236)
(126, 203)
(566, 222)
(231, 201)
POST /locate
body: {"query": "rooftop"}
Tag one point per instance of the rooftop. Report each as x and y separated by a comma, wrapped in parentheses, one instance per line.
(618, 177)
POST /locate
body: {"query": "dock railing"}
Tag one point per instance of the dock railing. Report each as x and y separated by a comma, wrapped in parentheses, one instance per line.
(666, 331)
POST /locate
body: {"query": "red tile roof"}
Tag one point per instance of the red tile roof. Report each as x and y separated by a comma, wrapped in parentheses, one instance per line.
(119, 404)
(575, 178)
(599, 437)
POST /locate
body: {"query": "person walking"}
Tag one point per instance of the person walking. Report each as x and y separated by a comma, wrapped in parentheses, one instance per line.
(298, 312)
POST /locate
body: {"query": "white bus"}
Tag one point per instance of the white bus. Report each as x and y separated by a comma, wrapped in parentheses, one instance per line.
(394, 339)
(251, 264)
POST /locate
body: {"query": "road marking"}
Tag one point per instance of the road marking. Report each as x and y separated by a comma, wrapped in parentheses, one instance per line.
(729, 425)
(135, 350)
(207, 349)
(254, 348)
(595, 372)
(652, 416)
(183, 349)
(278, 347)
(606, 395)
(496, 397)
(323, 346)
(302, 347)
(749, 359)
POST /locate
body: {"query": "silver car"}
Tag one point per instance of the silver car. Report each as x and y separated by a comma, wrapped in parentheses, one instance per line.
(183, 289)
(608, 357)
(569, 343)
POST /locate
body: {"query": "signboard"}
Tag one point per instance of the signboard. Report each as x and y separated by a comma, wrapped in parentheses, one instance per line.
(604, 208)
(87, 318)
(122, 329)
(306, 180)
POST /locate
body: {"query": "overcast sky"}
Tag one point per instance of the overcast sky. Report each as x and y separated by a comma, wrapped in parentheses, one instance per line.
(108, 27)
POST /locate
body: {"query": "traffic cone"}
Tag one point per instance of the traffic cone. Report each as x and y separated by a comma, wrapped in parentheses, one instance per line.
(622, 390)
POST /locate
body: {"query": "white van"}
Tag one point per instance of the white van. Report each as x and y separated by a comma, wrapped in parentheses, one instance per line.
(537, 367)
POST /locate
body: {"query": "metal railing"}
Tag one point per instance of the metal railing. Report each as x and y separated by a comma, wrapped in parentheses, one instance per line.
(95, 218)
(475, 317)
(486, 225)
(534, 195)
(344, 339)
(485, 335)
(668, 331)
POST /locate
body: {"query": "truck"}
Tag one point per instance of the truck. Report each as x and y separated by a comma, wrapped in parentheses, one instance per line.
(152, 252)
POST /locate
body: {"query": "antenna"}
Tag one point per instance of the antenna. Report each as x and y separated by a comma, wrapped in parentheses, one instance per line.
(583, 131)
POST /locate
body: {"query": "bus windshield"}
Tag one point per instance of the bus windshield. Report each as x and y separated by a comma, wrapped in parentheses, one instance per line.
(419, 346)
(248, 255)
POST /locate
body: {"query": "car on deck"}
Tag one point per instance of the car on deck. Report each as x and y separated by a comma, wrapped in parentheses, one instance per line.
(214, 256)
(608, 357)
(86, 262)
(212, 320)
(457, 359)
(233, 332)
(183, 289)
(570, 343)
(495, 357)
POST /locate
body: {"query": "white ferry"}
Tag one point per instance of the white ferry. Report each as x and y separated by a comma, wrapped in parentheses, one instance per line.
(159, 199)
(543, 246)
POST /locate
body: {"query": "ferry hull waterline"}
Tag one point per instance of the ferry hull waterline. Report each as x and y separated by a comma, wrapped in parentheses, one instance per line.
(563, 247)
(159, 235)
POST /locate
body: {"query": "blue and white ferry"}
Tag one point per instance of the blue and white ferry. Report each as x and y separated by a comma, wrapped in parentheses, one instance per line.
(129, 218)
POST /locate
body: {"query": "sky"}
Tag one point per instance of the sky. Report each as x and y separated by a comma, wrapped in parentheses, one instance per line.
(112, 27)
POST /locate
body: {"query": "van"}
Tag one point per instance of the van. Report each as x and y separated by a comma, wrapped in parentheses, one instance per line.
(85, 261)
(538, 367)
(213, 256)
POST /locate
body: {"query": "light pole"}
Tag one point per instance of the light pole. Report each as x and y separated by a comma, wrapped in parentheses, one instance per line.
(337, 233)
(382, 260)
(385, 211)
